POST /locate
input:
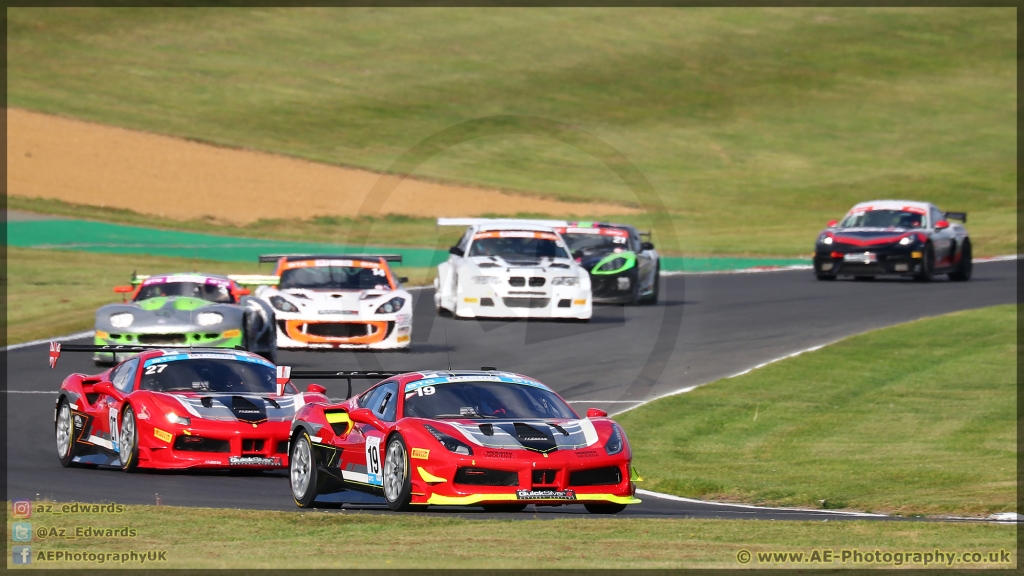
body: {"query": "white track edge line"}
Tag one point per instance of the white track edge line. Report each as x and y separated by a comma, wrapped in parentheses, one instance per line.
(74, 336)
(643, 492)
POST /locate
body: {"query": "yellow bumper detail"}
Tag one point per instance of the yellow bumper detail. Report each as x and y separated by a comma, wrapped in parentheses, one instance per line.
(429, 478)
(634, 475)
(439, 500)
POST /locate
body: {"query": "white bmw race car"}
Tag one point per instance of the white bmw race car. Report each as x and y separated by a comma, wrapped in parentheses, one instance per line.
(511, 269)
(339, 301)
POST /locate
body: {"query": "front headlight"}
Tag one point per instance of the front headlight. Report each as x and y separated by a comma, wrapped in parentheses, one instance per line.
(614, 444)
(486, 280)
(826, 239)
(452, 444)
(175, 419)
(907, 240)
(612, 265)
(391, 306)
(565, 281)
(209, 318)
(282, 304)
(122, 320)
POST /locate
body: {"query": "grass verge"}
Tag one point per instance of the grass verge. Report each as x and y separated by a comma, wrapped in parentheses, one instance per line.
(212, 538)
(915, 419)
(54, 292)
(754, 127)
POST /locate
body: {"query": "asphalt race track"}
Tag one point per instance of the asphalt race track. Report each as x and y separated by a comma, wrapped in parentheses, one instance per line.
(706, 327)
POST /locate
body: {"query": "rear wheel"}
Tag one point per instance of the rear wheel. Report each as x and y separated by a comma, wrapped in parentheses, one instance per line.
(504, 507)
(128, 440)
(64, 427)
(302, 471)
(397, 481)
(927, 271)
(966, 265)
(604, 508)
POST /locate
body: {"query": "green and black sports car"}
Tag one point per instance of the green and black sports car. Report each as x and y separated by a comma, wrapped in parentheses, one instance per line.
(624, 269)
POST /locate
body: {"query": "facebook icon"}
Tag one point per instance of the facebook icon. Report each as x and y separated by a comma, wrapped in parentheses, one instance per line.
(21, 554)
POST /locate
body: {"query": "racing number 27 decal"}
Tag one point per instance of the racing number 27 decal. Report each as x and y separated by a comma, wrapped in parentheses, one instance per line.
(373, 463)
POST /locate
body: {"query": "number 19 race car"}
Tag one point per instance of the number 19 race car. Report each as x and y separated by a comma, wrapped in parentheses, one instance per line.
(623, 268)
(177, 409)
(341, 301)
(894, 237)
(511, 269)
(461, 438)
(186, 309)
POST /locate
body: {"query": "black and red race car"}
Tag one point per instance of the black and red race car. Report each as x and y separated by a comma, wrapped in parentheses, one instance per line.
(894, 237)
(177, 409)
(624, 268)
(461, 438)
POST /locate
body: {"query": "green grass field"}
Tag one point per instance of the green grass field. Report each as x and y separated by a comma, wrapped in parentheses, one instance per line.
(213, 538)
(754, 127)
(54, 292)
(919, 418)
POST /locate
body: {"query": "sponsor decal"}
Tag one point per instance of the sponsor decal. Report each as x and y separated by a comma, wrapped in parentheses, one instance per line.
(516, 234)
(253, 461)
(586, 453)
(143, 413)
(499, 454)
(336, 312)
(420, 453)
(161, 435)
(198, 279)
(860, 257)
(546, 494)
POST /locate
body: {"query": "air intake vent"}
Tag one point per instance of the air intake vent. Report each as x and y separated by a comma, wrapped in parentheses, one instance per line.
(200, 444)
(486, 477)
(596, 477)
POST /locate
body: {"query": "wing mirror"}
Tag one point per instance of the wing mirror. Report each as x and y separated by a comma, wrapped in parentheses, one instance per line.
(315, 389)
(403, 279)
(124, 289)
(941, 225)
(366, 416)
(595, 413)
(456, 250)
(833, 223)
(108, 389)
(242, 292)
(647, 246)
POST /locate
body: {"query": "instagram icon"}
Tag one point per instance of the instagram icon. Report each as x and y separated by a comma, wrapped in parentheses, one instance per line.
(22, 509)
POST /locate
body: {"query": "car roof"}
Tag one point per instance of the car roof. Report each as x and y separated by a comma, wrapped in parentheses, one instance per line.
(893, 204)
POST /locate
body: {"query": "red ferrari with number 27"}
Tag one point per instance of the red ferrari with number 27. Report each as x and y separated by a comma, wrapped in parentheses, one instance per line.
(464, 438)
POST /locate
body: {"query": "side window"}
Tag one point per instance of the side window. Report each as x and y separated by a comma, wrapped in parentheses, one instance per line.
(464, 241)
(935, 215)
(124, 377)
(386, 403)
(365, 400)
(634, 241)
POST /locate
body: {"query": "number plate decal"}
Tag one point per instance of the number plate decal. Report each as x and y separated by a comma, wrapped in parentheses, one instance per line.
(860, 257)
(373, 461)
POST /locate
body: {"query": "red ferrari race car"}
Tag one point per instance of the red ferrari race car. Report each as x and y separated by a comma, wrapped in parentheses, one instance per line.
(465, 438)
(176, 409)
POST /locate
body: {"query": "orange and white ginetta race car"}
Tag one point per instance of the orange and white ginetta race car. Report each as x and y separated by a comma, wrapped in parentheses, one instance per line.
(339, 301)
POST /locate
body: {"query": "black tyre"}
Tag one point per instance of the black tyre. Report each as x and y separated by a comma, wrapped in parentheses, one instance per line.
(302, 472)
(604, 508)
(927, 271)
(504, 507)
(64, 430)
(652, 299)
(826, 277)
(128, 440)
(966, 265)
(634, 296)
(397, 480)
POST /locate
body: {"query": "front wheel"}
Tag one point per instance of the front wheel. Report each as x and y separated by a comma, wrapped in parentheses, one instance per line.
(604, 508)
(302, 471)
(966, 265)
(128, 441)
(652, 299)
(64, 427)
(397, 481)
(926, 273)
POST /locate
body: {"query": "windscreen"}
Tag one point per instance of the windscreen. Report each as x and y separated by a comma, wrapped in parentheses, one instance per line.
(482, 400)
(883, 219)
(218, 293)
(594, 243)
(335, 278)
(517, 248)
(211, 375)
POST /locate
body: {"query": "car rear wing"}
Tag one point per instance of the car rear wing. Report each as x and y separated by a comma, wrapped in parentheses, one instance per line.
(275, 257)
(56, 349)
(961, 216)
(285, 375)
(466, 222)
(255, 279)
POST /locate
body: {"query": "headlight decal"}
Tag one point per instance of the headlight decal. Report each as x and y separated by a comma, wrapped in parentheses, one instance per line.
(209, 318)
(615, 443)
(283, 304)
(615, 263)
(391, 306)
(122, 320)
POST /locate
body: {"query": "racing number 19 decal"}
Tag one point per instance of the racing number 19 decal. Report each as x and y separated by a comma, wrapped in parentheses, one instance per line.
(373, 463)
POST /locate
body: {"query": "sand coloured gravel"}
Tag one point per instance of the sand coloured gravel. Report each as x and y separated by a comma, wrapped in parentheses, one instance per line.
(86, 163)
